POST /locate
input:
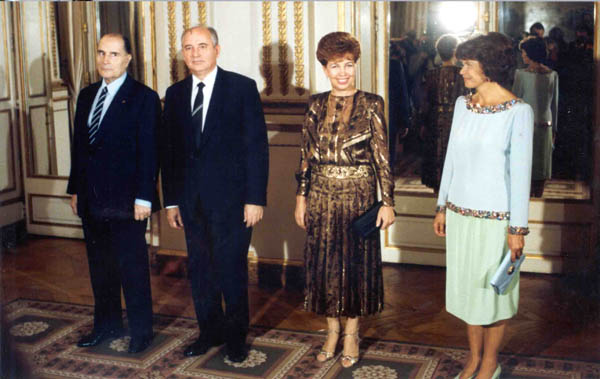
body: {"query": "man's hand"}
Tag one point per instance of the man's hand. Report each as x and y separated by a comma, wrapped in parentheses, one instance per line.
(74, 204)
(252, 214)
(141, 212)
(516, 243)
(174, 218)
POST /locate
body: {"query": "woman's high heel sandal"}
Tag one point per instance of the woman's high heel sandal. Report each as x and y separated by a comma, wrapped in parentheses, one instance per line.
(351, 360)
(325, 355)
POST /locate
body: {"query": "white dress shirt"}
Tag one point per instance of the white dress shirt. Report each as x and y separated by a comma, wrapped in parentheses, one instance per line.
(209, 84)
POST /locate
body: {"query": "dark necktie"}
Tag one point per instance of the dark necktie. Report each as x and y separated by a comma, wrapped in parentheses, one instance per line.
(197, 115)
(95, 124)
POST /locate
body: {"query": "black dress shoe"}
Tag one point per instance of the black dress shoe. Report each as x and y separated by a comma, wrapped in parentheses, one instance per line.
(202, 345)
(237, 353)
(95, 337)
(139, 344)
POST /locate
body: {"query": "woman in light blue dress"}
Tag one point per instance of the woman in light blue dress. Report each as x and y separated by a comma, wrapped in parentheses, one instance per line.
(484, 196)
(537, 85)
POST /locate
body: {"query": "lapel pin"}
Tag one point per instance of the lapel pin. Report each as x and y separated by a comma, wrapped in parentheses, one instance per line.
(124, 101)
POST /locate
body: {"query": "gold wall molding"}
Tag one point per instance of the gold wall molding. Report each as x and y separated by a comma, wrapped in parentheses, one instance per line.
(186, 14)
(6, 52)
(202, 12)
(153, 43)
(341, 21)
(299, 46)
(52, 22)
(172, 42)
(283, 46)
(186, 25)
(267, 72)
(12, 169)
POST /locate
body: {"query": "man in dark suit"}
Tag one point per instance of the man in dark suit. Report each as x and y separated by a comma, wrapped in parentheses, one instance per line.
(113, 187)
(214, 174)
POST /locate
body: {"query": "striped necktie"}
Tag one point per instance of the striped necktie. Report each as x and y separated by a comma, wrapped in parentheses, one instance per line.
(95, 124)
(197, 115)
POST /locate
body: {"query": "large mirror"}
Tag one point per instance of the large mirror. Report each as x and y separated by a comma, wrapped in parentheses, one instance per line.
(567, 29)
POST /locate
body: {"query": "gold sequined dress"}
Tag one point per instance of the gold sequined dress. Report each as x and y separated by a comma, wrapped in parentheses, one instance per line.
(344, 150)
(443, 86)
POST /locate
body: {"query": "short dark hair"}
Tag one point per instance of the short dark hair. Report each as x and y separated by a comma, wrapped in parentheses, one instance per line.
(126, 42)
(495, 54)
(536, 26)
(336, 45)
(535, 48)
(446, 46)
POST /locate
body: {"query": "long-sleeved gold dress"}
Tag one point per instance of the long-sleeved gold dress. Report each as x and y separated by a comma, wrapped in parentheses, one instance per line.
(344, 149)
(443, 86)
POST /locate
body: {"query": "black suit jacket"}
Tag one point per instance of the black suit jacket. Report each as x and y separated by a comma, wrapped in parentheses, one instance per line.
(122, 164)
(230, 168)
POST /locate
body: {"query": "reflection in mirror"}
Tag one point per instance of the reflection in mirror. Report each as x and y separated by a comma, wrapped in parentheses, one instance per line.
(568, 32)
(424, 83)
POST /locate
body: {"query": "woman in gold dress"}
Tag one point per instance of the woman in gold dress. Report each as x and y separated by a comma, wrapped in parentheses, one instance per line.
(344, 149)
(443, 85)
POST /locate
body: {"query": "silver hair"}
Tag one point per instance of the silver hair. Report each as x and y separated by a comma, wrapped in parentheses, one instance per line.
(213, 33)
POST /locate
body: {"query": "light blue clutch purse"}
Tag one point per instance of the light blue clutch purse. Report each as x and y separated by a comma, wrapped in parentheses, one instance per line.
(505, 274)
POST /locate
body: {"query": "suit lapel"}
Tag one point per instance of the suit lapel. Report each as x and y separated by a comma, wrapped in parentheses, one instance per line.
(185, 112)
(214, 108)
(86, 105)
(118, 103)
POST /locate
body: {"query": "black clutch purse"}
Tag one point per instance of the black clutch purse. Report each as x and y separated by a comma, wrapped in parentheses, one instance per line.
(364, 225)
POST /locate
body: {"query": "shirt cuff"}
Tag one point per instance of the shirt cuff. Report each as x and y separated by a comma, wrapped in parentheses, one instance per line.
(171, 206)
(143, 203)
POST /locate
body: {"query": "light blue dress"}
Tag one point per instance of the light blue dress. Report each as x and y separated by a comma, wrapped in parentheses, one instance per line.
(540, 91)
(484, 191)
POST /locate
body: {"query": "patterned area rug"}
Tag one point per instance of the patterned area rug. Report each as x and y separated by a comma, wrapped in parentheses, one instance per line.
(46, 334)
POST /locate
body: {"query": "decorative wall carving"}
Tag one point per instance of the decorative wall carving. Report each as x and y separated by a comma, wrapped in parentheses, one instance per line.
(266, 49)
(172, 43)
(299, 46)
(283, 46)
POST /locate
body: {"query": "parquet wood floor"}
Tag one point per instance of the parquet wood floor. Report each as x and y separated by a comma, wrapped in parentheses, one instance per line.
(555, 319)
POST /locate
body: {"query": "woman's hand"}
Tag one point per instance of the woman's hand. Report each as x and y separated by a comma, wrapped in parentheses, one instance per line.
(385, 217)
(300, 212)
(516, 243)
(439, 224)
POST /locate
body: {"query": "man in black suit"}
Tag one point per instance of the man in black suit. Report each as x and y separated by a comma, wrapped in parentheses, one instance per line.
(214, 173)
(113, 187)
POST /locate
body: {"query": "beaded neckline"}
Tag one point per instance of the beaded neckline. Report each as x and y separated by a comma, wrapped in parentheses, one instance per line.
(488, 109)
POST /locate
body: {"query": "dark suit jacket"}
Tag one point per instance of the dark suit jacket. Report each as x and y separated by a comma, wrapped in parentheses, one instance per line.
(230, 168)
(122, 164)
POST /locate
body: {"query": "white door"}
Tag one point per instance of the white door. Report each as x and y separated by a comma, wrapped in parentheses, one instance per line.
(44, 122)
(11, 191)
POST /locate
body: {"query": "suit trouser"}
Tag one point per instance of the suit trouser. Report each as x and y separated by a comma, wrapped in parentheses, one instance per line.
(118, 256)
(217, 243)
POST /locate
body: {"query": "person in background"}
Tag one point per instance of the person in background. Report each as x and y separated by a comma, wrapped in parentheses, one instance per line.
(443, 85)
(483, 203)
(537, 85)
(537, 29)
(344, 150)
